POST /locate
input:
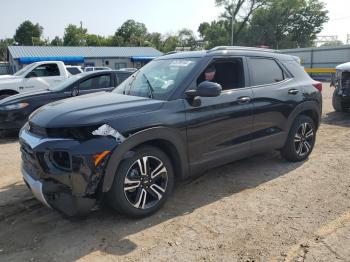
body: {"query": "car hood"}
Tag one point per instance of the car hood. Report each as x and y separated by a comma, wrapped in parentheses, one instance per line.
(343, 67)
(23, 97)
(91, 109)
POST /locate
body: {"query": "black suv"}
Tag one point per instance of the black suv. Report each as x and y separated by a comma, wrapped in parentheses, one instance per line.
(178, 116)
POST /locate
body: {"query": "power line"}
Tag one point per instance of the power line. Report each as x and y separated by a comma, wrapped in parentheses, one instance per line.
(339, 18)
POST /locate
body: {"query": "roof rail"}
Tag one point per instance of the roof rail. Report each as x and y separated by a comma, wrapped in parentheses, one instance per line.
(222, 48)
(170, 53)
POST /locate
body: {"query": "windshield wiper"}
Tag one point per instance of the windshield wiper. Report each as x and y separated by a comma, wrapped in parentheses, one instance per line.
(150, 88)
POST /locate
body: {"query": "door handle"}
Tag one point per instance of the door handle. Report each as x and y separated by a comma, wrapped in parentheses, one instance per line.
(293, 91)
(243, 100)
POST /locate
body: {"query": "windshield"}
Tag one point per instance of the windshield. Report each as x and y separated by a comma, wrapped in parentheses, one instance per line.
(24, 70)
(66, 83)
(158, 79)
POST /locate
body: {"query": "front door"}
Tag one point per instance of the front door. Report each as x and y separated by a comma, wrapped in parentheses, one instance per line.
(43, 77)
(219, 130)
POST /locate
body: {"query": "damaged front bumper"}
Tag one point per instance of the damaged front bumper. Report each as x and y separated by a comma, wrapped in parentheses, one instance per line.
(65, 174)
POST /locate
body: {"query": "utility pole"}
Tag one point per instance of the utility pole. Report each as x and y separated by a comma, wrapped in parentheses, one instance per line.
(81, 33)
(232, 22)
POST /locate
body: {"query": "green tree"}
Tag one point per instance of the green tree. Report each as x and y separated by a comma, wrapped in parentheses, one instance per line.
(132, 33)
(155, 40)
(237, 14)
(287, 23)
(26, 32)
(216, 33)
(95, 40)
(170, 43)
(187, 39)
(4, 43)
(57, 41)
(74, 36)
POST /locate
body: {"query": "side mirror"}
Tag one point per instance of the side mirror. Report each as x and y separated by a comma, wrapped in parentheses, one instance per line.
(75, 91)
(205, 89)
(31, 75)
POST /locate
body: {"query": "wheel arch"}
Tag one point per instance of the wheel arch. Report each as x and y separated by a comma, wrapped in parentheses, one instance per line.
(310, 109)
(8, 92)
(166, 139)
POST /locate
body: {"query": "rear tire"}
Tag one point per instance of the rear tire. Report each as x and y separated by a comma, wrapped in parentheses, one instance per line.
(142, 183)
(337, 103)
(301, 140)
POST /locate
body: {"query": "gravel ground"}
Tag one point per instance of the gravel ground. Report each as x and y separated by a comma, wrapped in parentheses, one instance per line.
(259, 209)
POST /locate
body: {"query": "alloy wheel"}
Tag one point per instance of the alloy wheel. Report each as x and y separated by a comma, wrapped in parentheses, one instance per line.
(304, 139)
(145, 182)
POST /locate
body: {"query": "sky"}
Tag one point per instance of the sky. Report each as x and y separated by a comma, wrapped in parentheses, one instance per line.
(103, 17)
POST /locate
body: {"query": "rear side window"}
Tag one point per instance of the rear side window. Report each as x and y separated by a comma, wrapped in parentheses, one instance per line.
(97, 82)
(103, 81)
(73, 70)
(265, 71)
(122, 77)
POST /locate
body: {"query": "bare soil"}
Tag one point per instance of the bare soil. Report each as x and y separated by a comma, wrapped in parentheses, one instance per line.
(258, 209)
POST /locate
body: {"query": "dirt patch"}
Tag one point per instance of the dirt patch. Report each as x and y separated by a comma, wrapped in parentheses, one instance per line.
(257, 209)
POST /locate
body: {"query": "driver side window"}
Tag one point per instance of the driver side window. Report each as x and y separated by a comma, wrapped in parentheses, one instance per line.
(229, 73)
(45, 70)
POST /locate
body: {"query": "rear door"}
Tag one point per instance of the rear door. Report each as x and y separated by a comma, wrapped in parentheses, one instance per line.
(97, 83)
(219, 130)
(275, 95)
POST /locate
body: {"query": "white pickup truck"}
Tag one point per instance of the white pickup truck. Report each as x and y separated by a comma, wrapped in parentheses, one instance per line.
(33, 77)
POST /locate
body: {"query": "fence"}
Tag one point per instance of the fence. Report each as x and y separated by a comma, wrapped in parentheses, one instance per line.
(4, 68)
(320, 62)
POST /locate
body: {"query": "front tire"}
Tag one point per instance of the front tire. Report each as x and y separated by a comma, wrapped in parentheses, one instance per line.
(301, 140)
(142, 183)
(337, 103)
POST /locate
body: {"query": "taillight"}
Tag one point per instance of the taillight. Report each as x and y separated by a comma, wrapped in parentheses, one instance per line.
(318, 86)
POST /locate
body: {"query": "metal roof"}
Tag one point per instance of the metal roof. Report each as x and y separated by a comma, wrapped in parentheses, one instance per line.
(84, 51)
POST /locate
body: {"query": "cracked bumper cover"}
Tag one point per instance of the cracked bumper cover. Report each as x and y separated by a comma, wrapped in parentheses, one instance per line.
(73, 190)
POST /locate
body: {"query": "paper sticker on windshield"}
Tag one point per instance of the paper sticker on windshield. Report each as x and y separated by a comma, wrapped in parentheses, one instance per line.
(181, 63)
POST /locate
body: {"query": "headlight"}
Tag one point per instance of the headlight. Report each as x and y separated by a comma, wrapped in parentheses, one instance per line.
(14, 106)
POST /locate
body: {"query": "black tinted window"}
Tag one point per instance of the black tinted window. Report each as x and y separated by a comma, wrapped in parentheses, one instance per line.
(122, 77)
(73, 70)
(102, 81)
(265, 71)
(228, 73)
(46, 70)
(86, 85)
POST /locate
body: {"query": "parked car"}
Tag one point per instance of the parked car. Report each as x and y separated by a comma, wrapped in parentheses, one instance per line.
(92, 68)
(15, 110)
(74, 70)
(341, 94)
(34, 77)
(177, 116)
